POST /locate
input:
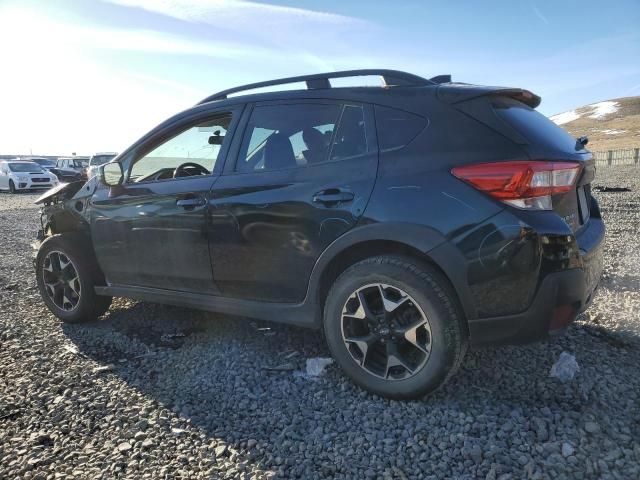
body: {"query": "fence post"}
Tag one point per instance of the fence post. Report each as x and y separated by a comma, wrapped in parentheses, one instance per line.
(609, 157)
(636, 156)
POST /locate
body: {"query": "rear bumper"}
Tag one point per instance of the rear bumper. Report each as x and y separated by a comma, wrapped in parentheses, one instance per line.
(559, 298)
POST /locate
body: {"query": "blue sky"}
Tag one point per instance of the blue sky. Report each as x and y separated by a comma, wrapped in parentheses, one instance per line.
(80, 76)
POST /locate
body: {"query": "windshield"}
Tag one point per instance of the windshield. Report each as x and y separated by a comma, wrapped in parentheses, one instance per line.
(79, 163)
(25, 167)
(101, 159)
(44, 162)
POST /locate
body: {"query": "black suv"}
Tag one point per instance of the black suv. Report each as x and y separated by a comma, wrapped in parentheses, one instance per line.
(405, 221)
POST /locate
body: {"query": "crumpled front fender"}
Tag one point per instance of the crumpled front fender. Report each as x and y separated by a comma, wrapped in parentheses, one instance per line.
(65, 207)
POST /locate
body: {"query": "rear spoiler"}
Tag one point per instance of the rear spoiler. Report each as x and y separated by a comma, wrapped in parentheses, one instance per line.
(461, 92)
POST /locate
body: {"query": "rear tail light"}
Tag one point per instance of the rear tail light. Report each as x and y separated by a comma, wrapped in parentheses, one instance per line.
(522, 184)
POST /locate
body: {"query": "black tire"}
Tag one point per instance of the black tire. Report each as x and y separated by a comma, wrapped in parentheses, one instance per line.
(424, 286)
(12, 187)
(76, 248)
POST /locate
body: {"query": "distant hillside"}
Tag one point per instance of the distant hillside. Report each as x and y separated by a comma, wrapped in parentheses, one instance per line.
(610, 125)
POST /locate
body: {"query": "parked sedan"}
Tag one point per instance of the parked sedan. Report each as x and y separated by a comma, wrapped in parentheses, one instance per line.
(19, 175)
(45, 163)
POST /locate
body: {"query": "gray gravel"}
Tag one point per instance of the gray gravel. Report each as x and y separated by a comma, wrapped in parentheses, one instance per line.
(160, 392)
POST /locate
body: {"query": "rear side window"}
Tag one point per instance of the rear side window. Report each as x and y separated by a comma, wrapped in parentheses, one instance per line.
(536, 128)
(350, 139)
(396, 128)
(299, 135)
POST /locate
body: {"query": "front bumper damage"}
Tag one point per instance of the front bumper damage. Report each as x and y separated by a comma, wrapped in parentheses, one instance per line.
(64, 208)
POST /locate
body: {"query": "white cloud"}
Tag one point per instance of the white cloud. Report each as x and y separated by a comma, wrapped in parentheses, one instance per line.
(57, 99)
(230, 12)
(285, 29)
(57, 96)
(539, 14)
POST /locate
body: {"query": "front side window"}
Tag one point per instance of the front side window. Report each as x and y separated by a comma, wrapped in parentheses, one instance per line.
(289, 136)
(192, 152)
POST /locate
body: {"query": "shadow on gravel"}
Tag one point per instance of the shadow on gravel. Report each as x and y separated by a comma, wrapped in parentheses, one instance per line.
(215, 372)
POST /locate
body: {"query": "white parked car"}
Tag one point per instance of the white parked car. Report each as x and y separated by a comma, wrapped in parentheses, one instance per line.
(46, 163)
(99, 159)
(19, 175)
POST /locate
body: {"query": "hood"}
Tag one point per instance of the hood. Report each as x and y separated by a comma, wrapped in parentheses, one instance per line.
(61, 192)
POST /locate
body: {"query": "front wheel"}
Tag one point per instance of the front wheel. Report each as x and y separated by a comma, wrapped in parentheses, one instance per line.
(393, 326)
(12, 187)
(66, 274)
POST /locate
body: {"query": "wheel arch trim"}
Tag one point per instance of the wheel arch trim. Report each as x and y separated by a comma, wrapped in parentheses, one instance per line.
(429, 242)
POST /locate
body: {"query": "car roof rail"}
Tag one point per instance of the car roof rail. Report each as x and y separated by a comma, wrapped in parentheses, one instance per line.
(321, 80)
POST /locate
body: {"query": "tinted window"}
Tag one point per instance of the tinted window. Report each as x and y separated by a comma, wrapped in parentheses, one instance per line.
(350, 139)
(533, 125)
(286, 136)
(396, 128)
(199, 145)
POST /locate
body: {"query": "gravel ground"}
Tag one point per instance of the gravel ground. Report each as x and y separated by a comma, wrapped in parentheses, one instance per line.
(160, 392)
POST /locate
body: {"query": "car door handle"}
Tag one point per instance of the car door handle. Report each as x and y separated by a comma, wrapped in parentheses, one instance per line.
(333, 195)
(191, 202)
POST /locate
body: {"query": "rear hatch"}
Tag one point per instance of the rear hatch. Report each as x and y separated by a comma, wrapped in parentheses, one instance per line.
(511, 112)
(548, 141)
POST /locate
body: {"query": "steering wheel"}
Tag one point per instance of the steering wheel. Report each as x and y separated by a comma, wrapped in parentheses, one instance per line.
(190, 169)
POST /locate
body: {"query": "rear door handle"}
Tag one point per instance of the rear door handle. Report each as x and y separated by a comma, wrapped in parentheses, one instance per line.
(188, 203)
(333, 196)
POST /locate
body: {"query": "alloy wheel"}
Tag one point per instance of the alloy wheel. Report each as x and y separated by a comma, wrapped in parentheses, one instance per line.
(61, 280)
(386, 332)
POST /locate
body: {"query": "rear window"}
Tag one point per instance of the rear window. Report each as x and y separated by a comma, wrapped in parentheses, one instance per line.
(396, 128)
(533, 125)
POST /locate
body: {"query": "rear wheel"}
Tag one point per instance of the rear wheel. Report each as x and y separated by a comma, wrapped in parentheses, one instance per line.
(392, 325)
(67, 274)
(12, 187)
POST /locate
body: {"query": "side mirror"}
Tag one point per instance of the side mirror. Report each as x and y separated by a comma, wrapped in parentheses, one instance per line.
(111, 174)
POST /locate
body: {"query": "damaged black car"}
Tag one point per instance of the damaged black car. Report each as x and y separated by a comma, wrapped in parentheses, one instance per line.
(406, 222)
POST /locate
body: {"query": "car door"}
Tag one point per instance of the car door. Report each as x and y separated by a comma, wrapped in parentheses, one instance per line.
(150, 231)
(302, 176)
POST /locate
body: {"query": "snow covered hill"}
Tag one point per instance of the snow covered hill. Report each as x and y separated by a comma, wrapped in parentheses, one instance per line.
(610, 125)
